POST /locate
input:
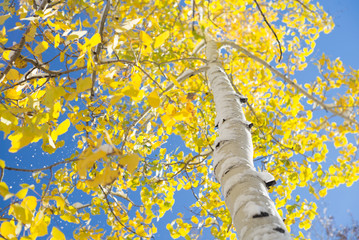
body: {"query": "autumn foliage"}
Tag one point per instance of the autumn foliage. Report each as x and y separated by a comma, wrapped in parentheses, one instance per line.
(122, 78)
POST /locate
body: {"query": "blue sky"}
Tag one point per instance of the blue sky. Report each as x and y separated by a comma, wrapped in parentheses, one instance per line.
(341, 42)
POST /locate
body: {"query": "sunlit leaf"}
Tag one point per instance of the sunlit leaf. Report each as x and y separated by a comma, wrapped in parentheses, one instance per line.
(95, 39)
(41, 47)
(7, 54)
(30, 202)
(8, 230)
(57, 40)
(161, 39)
(84, 84)
(22, 193)
(154, 99)
(57, 234)
(63, 127)
(146, 39)
(3, 18)
(2, 163)
(76, 35)
(131, 161)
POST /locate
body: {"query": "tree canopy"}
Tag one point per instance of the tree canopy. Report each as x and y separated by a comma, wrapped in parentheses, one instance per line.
(124, 78)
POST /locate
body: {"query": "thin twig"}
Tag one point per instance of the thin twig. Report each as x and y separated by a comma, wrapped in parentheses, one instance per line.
(15, 55)
(303, 5)
(113, 213)
(99, 46)
(268, 24)
(48, 185)
(41, 169)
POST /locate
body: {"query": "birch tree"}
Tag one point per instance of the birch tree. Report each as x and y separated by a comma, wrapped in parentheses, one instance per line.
(102, 88)
(253, 213)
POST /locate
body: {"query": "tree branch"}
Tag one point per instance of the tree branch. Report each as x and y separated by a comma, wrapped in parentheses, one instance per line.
(41, 169)
(287, 80)
(268, 24)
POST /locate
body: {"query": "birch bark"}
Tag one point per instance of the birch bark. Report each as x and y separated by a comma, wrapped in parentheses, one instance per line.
(253, 213)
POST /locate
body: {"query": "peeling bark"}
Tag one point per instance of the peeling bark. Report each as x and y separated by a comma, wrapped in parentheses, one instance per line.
(253, 213)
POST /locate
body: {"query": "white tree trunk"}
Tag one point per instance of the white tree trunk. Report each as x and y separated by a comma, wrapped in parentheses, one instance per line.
(253, 213)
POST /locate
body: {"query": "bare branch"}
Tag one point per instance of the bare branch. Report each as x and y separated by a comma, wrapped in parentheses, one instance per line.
(41, 169)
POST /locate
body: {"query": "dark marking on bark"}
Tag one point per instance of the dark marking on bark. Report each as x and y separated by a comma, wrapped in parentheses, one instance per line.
(230, 168)
(279, 229)
(223, 120)
(262, 214)
(271, 183)
(250, 125)
(229, 192)
(242, 99)
(220, 143)
(215, 167)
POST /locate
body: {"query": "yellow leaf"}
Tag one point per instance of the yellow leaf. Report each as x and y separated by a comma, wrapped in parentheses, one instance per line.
(88, 161)
(48, 35)
(63, 127)
(136, 80)
(85, 217)
(57, 40)
(131, 161)
(96, 39)
(140, 230)
(8, 230)
(83, 84)
(41, 221)
(7, 54)
(194, 219)
(154, 99)
(161, 39)
(4, 189)
(22, 193)
(20, 63)
(57, 234)
(3, 18)
(30, 35)
(76, 35)
(13, 74)
(60, 202)
(12, 93)
(30, 202)
(41, 48)
(184, 231)
(109, 176)
(52, 94)
(22, 214)
(323, 192)
(70, 218)
(115, 99)
(20, 139)
(2, 163)
(130, 91)
(145, 38)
